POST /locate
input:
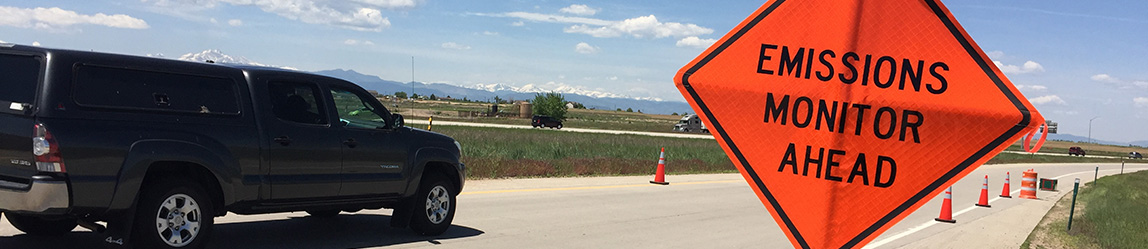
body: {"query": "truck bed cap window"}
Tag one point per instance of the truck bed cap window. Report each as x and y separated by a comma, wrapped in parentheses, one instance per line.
(119, 88)
(19, 77)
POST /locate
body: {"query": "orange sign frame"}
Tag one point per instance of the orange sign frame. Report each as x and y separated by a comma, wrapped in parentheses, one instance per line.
(946, 85)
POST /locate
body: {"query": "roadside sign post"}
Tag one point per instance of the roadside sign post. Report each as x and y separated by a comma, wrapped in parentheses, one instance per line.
(846, 116)
(1072, 210)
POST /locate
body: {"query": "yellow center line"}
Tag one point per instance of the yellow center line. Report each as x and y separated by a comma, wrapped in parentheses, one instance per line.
(587, 187)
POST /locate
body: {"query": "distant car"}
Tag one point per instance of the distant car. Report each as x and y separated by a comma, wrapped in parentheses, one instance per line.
(545, 121)
(1135, 155)
(1075, 151)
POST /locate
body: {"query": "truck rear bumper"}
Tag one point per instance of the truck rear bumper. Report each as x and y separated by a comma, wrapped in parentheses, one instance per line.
(45, 195)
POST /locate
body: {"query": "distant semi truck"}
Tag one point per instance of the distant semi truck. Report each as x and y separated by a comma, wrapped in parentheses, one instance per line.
(691, 123)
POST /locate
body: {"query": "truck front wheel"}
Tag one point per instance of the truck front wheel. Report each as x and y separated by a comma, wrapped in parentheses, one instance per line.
(33, 225)
(173, 213)
(438, 197)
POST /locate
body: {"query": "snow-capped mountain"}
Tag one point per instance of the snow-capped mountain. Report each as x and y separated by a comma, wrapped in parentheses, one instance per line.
(556, 87)
(217, 56)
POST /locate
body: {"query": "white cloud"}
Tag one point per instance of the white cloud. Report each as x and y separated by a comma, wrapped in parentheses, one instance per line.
(390, 4)
(551, 18)
(1105, 78)
(1032, 87)
(579, 9)
(456, 46)
(235, 22)
(613, 78)
(56, 18)
(490, 33)
(1027, 67)
(1047, 99)
(354, 42)
(585, 48)
(1141, 102)
(518, 24)
(360, 15)
(995, 54)
(694, 41)
(1119, 83)
(640, 27)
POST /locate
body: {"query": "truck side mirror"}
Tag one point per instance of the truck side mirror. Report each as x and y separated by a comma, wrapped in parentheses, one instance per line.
(398, 118)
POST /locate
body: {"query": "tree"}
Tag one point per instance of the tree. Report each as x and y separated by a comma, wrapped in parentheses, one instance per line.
(432, 97)
(629, 110)
(619, 109)
(401, 95)
(498, 100)
(414, 95)
(675, 114)
(579, 106)
(550, 104)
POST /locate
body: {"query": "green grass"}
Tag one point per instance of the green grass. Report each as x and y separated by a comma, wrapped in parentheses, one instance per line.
(497, 153)
(1004, 158)
(1116, 213)
(1110, 213)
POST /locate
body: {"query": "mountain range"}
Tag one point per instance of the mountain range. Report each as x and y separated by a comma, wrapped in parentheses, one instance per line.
(591, 99)
(1082, 139)
(485, 92)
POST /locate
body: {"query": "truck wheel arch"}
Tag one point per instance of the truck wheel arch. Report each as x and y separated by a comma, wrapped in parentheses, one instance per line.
(438, 160)
(156, 156)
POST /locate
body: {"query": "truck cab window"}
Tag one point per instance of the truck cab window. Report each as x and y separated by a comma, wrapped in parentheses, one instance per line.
(297, 102)
(355, 111)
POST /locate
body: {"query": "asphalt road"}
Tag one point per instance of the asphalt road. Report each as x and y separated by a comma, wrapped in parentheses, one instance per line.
(694, 211)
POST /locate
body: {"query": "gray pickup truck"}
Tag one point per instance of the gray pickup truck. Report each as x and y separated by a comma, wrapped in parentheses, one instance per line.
(157, 148)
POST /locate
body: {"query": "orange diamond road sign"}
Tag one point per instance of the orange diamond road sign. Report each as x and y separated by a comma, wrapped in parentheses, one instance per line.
(846, 116)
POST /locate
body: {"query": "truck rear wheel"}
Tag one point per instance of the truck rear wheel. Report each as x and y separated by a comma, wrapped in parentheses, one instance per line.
(173, 213)
(33, 225)
(438, 196)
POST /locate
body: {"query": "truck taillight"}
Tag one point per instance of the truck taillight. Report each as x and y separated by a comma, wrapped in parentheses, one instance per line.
(47, 151)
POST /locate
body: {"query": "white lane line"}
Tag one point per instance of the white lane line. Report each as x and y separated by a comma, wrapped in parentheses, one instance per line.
(928, 224)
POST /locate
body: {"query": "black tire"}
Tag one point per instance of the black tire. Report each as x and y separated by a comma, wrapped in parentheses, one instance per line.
(326, 213)
(186, 208)
(438, 194)
(40, 226)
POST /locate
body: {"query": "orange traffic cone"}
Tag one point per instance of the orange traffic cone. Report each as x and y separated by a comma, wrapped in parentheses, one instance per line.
(985, 194)
(660, 176)
(947, 207)
(1004, 192)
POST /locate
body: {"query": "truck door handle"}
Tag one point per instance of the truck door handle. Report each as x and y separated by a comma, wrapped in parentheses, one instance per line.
(351, 142)
(284, 140)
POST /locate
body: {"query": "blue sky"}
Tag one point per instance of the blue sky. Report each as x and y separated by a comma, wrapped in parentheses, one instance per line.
(1075, 60)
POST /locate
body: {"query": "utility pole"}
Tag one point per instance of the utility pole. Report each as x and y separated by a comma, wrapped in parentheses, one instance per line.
(1090, 129)
(411, 96)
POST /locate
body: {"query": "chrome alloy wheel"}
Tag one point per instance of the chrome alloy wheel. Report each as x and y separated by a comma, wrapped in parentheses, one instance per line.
(177, 222)
(438, 204)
